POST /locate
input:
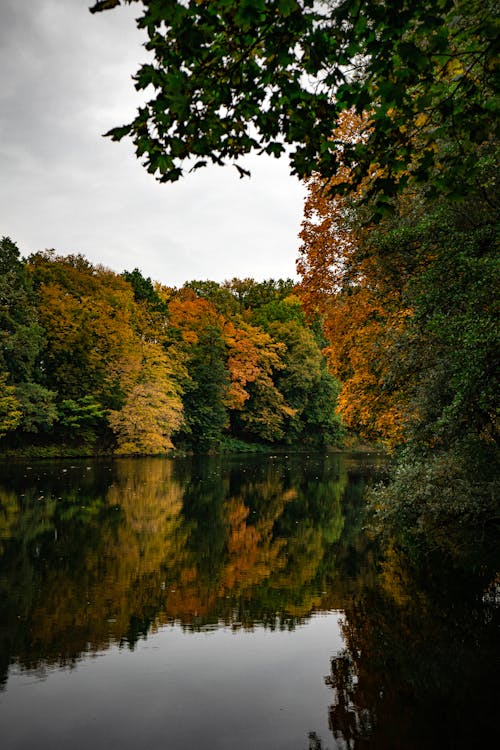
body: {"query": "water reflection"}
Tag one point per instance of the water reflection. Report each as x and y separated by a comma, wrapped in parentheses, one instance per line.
(100, 554)
(420, 663)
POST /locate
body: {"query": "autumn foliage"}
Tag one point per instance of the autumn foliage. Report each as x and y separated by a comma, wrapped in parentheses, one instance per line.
(359, 308)
(115, 362)
(404, 303)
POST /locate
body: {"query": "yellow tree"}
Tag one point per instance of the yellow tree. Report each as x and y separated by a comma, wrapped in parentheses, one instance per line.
(152, 411)
(87, 314)
(258, 407)
(10, 408)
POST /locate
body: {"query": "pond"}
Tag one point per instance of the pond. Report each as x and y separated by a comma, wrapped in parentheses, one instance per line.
(231, 602)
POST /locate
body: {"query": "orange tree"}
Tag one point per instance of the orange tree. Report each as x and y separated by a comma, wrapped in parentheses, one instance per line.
(409, 307)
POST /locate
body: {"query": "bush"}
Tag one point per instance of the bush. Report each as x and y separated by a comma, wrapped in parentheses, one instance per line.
(443, 500)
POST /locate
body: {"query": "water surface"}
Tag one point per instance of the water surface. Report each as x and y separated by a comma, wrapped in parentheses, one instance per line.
(230, 602)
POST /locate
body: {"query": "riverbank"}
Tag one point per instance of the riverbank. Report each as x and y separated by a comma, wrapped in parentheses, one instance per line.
(230, 445)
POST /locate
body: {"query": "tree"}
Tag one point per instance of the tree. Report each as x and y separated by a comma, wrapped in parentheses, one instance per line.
(20, 335)
(409, 307)
(266, 412)
(219, 295)
(306, 385)
(229, 77)
(200, 329)
(82, 416)
(38, 407)
(21, 342)
(144, 289)
(152, 411)
(87, 313)
(10, 408)
(357, 293)
(253, 294)
(401, 300)
(401, 303)
(252, 354)
(259, 409)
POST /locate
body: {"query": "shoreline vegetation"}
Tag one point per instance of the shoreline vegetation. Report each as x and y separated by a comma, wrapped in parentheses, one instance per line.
(97, 363)
(228, 447)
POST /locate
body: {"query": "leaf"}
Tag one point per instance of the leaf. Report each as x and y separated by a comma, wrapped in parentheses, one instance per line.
(104, 5)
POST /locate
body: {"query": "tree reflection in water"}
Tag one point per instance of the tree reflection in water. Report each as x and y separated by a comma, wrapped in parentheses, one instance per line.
(105, 553)
(99, 554)
(420, 666)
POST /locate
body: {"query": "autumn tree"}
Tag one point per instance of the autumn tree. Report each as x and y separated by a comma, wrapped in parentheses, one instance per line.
(10, 408)
(408, 307)
(258, 408)
(358, 294)
(153, 408)
(87, 314)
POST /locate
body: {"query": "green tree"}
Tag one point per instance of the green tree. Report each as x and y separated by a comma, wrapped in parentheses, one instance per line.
(230, 77)
(306, 385)
(38, 407)
(199, 328)
(82, 416)
(445, 360)
(17, 320)
(21, 342)
(144, 290)
(204, 395)
(254, 295)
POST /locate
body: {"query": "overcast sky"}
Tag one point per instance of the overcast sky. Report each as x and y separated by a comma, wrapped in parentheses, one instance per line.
(65, 78)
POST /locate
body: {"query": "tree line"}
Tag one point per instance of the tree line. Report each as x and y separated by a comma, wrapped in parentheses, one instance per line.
(94, 360)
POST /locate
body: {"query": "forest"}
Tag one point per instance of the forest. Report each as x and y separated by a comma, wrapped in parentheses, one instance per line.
(92, 361)
(389, 113)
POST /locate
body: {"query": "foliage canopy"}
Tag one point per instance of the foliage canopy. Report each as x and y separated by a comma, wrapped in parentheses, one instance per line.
(228, 77)
(92, 360)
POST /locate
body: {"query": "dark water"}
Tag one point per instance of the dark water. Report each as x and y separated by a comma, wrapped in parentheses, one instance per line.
(231, 603)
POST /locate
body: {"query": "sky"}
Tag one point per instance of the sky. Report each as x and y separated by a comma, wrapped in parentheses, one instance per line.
(65, 79)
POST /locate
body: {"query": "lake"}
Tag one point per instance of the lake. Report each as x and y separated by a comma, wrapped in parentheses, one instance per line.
(231, 602)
